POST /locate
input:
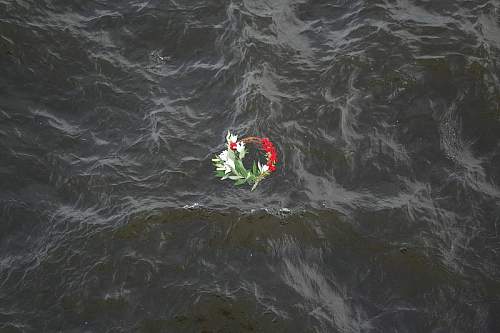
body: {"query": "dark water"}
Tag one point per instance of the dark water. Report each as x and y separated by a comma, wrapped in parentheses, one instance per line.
(383, 215)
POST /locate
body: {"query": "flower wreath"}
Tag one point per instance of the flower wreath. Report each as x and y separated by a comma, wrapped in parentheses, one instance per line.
(229, 163)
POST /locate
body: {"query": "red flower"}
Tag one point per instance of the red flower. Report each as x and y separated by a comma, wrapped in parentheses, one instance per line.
(266, 144)
(270, 150)
(273, 154)
(232, 145)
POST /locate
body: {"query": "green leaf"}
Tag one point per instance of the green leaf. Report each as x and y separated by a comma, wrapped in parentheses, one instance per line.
(250, 179)
(243, 153)
(240, 182)
(220, 173)
(254, 168)
(231, 155)
(240, 168)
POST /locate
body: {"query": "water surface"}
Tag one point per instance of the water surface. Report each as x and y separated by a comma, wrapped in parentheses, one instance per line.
(382, 216)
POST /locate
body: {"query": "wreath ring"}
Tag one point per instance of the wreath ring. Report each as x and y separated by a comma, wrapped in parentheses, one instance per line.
(229, 163)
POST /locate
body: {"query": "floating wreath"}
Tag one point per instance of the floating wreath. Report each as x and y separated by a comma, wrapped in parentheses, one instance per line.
(229, 163)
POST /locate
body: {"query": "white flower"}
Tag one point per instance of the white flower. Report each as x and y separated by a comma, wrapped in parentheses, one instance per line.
(223, 167)
(223, 156)
(231, 138)
(229, 163)
(227, 169)
(240, 147)
(262, 168)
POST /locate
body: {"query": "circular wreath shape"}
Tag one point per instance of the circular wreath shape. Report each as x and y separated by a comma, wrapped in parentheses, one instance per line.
(229, 163)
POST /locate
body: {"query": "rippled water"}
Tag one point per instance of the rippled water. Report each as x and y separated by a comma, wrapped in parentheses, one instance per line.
(384, 212)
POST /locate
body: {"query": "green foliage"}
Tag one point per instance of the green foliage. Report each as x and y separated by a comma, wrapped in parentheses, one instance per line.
(231, 167)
